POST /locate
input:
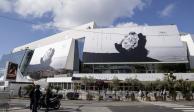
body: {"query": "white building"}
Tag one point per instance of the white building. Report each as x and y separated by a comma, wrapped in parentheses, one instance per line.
(143, 52)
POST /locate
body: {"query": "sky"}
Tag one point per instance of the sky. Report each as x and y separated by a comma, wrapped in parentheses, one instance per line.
(25, 21)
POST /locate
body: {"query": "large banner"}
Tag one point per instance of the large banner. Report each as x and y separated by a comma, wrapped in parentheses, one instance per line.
(140, 44)
(49, 60)
(12, 69)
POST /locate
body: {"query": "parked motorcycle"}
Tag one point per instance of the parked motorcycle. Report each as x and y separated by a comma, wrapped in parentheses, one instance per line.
(54, 102)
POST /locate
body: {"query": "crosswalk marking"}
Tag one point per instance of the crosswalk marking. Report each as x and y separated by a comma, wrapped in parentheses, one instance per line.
(188, 110)
(180, 106)
(184, 108)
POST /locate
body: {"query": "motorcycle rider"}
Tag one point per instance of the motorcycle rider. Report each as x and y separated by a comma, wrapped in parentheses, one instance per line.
(48, 95)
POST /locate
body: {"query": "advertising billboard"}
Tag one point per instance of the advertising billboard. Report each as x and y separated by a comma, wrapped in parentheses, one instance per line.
(140, 44)
(12, 69)
(49, 60)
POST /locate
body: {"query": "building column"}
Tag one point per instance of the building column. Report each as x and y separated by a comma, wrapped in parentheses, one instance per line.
(73, 85)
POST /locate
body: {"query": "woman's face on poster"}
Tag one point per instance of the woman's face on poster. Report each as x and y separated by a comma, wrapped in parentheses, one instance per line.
(130, 41)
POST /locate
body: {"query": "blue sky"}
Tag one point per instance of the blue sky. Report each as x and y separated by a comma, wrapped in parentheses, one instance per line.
(48, 17)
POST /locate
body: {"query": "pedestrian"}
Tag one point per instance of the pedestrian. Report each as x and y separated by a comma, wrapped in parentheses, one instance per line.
(141, 95)
(127, 95)
(133, 96)
(161, 95)
(158, 95)
(155, 96)
(47, 98)
(20, 92)
(31, 95)
(105, 91)
(148, 96)
(37, 95)
(164, 95)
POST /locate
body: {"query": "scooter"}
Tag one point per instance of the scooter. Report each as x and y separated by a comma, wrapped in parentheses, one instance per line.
(54, 102)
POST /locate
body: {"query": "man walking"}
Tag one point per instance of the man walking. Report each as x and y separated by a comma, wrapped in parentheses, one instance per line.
(31, 95)
(37, 95)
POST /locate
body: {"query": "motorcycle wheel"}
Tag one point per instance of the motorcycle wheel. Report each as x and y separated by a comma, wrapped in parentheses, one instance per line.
(39, 106)
(57, 106)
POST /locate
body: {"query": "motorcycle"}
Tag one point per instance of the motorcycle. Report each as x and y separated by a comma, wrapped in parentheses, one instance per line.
(54, 102)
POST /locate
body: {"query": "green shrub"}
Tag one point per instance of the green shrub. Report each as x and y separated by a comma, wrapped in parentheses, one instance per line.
(89, 97)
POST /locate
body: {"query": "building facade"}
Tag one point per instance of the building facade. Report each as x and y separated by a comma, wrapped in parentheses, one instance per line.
(98, 52)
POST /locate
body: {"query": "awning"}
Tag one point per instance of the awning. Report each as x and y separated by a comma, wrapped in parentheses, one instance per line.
(59, 79)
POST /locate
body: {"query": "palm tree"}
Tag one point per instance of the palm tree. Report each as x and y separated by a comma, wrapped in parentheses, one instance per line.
(76, 87)
(100, 85)
(85, 81)
(171, 79)
(91, 80)
(128, 81)
(88, 81)
(185, 88)
(115, 85)
(135, 83)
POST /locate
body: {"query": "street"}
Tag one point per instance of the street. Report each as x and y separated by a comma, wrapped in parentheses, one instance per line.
(18, 105)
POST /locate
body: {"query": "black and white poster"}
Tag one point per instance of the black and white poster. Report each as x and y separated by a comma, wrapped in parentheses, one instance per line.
(12, 69)
(135, 45)
(49, 60)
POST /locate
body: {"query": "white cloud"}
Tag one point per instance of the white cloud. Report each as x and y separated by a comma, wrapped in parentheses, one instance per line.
(43, 26)
(167, 10)
(34, 8)
(76, 12)
(5, 6)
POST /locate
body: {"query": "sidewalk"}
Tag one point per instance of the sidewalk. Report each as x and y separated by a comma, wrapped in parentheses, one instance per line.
(22, 105)
(75, 108)
(79, 105)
